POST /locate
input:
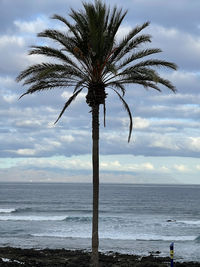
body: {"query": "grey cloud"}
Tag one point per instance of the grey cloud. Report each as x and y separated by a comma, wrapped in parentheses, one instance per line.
(180, 13)
(152, 143)
(159, 138)
(178, 45)
(178, 98)
(165, 111)
(26, 10)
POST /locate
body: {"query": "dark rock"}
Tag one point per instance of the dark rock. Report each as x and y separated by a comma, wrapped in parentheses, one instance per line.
(79, 258)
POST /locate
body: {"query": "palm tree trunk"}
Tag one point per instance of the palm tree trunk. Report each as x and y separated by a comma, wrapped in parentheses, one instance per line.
(95, 162)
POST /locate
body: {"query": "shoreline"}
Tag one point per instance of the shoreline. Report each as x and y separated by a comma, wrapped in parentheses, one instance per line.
(11, 256)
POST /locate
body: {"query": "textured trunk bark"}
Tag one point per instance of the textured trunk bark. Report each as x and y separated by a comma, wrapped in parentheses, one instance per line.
(95, 162)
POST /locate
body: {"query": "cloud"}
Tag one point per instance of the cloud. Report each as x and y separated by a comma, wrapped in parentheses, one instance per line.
(171, 13)
(67, 138)
(195, 143)
(164, 169)
(12, 53)
(12, 40)
(165, 142)
(181, 168)
(28, 123)
(35, 26)
(188, 45)
(140, 123)
(10, 98)
(25, 152)
(147, 166)
(178, 98)
(122, 32)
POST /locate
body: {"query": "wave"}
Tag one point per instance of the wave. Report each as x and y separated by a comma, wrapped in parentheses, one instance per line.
(78, 219)
(46, 210)
(193, 222)
(63, 235)
(114, 236)
(166, 238)
(15, 210)
(36, 209)
(32, 218)
(7, 210)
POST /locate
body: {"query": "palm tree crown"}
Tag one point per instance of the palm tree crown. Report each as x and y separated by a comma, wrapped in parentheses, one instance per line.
(90, 57)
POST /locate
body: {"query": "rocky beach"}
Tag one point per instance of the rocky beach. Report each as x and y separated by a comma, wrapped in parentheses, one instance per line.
(15, 257)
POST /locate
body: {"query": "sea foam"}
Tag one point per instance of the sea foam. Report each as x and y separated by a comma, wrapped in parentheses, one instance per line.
(7, 210)
(32, 218)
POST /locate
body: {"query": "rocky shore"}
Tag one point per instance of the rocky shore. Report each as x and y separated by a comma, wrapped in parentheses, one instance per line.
(15, 257)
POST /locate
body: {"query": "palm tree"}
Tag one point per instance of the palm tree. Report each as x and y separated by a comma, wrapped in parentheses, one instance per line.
(89, 56)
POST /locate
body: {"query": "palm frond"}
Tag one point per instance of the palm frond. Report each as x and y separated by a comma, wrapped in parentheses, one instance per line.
(82, 83)
(145, 83)
(46, 85)
(129, 113)
(124, 43)
(131, 46)
(138, 55)
(134, 43)
(118, 85)
(51, 52)
(167, 83)
(72, 98)
(43, 70)
(68, 24)
(157, 63)
(63, 39)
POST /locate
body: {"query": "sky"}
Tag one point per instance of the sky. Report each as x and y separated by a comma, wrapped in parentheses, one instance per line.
(165, 144)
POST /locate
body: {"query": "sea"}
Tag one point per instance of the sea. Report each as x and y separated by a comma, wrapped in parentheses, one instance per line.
(134, 219)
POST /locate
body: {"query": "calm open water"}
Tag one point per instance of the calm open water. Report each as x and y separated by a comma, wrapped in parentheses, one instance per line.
(134, 219)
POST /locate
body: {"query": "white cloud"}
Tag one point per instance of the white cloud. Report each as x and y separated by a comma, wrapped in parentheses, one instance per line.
(164, 141)
(7, 82)
(140, 123)
(114, 165)
(164, 169)
(26, 152)
(181, 168)
(51, 143)
(66, 95)
(11, 40)
(195, 143)
(12, 53)
(148, 166)
(123, 31)
(28, 123)
(10, 98)
(67, 138)
(31, 26)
